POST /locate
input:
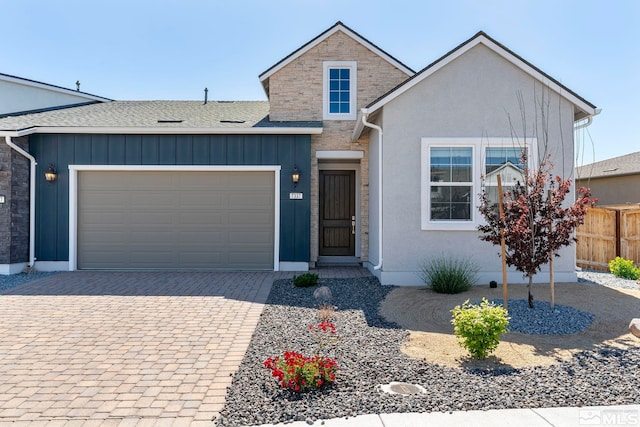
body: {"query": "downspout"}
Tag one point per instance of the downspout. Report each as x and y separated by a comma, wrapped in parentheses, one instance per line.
(365, 114)
(32, 199)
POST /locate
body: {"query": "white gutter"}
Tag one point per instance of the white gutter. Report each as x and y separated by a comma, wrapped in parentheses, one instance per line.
(365, 114)
(140, 130)
(32, 199)
(589, 120)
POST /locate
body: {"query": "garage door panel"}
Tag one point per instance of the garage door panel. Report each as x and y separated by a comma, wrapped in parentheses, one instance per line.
(171, 219)
(242, 257)
(243, 239)
(249, 218)
(252, 203)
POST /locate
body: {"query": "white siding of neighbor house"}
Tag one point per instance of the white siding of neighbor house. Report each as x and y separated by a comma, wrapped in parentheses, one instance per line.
(471, 97)
(18, 97)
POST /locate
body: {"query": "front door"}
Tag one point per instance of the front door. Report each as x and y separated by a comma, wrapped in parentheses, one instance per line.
(337, 213)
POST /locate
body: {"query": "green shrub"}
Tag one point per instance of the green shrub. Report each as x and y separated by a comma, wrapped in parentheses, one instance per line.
(305, 280)
(624, 268)
(447, 275)
(479, 327)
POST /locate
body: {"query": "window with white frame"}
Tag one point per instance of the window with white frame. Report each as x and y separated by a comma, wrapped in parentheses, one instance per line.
(340, 83)
(505, 161)
(451, 183)
(452, 172)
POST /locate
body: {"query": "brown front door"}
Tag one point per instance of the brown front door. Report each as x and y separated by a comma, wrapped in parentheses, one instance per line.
(337, 213)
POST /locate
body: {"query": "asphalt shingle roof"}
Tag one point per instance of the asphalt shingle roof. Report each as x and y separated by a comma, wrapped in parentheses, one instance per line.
(154, 114)
(622, 165)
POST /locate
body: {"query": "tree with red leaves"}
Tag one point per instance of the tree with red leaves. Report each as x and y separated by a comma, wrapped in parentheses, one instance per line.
(535, 223)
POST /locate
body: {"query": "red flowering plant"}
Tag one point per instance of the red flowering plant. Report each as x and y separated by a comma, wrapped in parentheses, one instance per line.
(299, 373)
(325, 333)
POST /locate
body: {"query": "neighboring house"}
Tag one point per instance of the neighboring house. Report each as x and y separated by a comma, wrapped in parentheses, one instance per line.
(613, 181)
(23, 96)
(387, 163)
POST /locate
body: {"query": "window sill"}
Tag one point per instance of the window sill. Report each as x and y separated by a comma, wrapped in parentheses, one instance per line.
(449, 226)
(345, 117)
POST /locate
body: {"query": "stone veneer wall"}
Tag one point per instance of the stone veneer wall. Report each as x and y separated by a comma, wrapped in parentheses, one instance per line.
(14, 213)
(295, 94)
(5, 208)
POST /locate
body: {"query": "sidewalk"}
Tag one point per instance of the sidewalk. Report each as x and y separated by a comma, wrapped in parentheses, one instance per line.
(627, 415)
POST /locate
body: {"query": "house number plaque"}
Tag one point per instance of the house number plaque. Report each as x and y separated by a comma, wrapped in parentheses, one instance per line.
(295, 196)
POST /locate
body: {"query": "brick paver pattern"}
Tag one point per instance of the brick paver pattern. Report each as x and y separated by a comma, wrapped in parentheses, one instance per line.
(127, 348)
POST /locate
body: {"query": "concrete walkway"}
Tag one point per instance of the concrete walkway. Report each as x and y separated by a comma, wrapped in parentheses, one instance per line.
(628, 415)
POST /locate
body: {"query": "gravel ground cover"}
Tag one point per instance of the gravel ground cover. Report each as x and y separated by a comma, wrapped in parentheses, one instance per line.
(368, 352)
(606, 279)
(543, 320)
(13, 280)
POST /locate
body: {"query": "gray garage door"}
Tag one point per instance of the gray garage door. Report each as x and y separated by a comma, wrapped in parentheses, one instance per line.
(175, 220)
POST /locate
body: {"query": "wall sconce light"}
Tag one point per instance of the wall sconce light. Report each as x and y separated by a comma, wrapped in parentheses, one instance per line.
(295, 176)
(50, 175)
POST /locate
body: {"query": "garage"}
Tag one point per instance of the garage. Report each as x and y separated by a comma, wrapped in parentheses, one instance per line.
(176, 219)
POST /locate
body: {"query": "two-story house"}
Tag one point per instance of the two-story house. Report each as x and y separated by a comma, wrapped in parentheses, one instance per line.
(354, 158)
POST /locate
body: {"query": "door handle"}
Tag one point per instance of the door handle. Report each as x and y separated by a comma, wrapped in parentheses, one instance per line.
(353, 224)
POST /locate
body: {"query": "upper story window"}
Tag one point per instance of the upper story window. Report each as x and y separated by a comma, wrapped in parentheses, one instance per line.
(339, 100)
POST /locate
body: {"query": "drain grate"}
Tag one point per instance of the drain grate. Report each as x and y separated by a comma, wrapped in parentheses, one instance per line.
(405, 389)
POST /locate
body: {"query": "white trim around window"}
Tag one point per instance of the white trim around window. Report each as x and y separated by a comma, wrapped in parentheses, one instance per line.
(477, 146)
(352, 66)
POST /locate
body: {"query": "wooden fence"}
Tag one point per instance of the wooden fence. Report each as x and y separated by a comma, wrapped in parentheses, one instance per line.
(607, 232)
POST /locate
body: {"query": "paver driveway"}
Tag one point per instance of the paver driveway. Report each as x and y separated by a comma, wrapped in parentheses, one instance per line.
(125, 348)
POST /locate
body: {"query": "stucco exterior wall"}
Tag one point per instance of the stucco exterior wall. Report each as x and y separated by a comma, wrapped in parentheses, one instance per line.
(296, 93)
(474, 96)
(615, 190)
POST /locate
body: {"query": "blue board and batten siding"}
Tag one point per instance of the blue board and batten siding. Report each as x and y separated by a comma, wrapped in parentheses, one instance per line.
(52, 199)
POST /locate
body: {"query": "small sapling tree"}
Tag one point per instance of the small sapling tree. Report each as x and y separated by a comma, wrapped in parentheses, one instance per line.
(535, 223)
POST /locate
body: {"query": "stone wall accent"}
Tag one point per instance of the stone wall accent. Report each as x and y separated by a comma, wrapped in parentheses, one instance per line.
(295, 91)
(295, 94)
(20, 179)
(5, 208)
(14, 213)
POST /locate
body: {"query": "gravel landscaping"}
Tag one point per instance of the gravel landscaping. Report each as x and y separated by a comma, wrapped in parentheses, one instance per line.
(606, 279)
(368, 352)
(542, 320)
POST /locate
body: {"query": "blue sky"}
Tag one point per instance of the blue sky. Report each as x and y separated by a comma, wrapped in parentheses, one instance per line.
(173, 49)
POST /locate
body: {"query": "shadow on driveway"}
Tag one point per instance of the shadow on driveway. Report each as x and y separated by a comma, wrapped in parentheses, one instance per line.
(233, 285)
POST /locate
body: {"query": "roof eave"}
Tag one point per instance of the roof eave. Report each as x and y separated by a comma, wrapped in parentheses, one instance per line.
(162, 131)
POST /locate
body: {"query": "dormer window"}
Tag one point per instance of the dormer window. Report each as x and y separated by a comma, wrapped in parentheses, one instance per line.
(340, 90)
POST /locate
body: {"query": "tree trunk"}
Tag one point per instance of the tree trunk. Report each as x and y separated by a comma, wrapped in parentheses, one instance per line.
(552, 303)
(529, 289)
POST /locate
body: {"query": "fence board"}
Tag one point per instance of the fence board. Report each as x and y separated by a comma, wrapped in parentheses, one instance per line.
(608, 232)
(630, 235)
(596, 239)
